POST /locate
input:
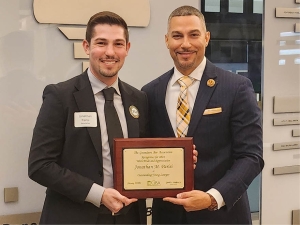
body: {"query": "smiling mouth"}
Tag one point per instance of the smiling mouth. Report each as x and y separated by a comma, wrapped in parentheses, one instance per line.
(109, 62)
(185, 53)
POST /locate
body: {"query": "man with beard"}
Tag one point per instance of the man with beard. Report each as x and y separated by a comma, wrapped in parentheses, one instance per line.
(71, 146)
(219, 110)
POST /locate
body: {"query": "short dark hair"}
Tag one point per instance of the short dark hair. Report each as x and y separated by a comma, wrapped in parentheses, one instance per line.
(105, 17)
(187, 10)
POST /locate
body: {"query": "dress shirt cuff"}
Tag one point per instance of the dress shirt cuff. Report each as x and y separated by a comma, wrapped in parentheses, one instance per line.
(95, 195)
(216, 194)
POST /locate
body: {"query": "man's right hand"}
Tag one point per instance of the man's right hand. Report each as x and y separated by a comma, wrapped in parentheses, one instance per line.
(114, 201)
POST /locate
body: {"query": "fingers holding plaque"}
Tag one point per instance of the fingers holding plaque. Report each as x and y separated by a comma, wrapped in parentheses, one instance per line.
(153, 167)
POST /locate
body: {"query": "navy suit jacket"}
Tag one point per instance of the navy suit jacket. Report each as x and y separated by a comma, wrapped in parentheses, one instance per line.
(229, 144)
(68, 159)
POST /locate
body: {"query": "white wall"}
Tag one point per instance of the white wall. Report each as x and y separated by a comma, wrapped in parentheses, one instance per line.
(281, 193)
(33, 55)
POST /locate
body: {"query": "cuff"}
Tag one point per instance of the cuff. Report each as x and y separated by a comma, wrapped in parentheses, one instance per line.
(216, 194)
(95, 195)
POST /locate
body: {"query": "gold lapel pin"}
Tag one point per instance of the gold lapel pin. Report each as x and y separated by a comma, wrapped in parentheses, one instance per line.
(211, 83)
(134, 112)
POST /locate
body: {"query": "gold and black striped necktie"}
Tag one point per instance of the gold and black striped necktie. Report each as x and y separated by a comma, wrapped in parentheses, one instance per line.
(183, 111)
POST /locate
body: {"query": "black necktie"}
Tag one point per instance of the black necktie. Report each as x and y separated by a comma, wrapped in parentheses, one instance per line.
(113, 125)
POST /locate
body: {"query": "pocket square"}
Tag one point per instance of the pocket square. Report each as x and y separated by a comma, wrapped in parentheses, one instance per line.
(212, 111)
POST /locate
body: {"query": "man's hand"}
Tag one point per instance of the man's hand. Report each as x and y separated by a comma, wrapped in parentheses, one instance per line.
(192, 200)
(195, 155)
(114, 201)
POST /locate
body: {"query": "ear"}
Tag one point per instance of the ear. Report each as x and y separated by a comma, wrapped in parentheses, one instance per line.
(167, 40)
(86, 47)
(207, 37)
(128, 47)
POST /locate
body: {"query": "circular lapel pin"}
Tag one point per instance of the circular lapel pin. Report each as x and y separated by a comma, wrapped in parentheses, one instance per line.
(134, 111)
(211, 83)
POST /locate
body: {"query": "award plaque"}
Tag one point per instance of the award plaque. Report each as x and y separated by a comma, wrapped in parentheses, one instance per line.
(153, 167)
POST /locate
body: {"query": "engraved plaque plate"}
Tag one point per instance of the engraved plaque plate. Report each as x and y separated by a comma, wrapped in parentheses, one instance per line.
(286, 170)
(159, 168)
(153, 167)
(286, 145)
(287, 12)
(296, 133)
(286, 121)
(286, 104)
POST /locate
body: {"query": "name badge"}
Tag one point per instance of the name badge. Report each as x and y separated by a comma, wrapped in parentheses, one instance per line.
(85, 119)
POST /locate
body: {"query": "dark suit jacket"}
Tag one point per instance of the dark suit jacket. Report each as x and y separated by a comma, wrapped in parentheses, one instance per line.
(229, 144)
(67, 159)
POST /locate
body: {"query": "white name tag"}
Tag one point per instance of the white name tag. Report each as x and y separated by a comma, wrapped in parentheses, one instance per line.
(85, 119)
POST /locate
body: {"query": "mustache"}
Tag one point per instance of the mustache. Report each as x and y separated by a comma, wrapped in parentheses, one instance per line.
(185, 51)
(110, 58)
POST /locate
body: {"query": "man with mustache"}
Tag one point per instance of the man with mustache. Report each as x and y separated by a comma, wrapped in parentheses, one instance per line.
(71, 147)
(219, 110)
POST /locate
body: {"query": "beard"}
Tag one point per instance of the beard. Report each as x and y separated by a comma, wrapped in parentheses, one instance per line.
(106, 73)
(112, 72)
(186, 65)
(182, 63)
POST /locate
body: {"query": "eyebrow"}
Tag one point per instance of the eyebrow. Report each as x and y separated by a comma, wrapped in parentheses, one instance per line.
(104, 39)
(120, 40)
(175, 32)
(192, 31)
(196, 30)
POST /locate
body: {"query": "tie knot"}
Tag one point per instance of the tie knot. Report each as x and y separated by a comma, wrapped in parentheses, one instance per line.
(186, 81)
(109, 94)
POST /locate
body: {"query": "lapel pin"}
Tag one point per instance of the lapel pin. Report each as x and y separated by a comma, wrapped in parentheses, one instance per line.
(211, 83)
(134, 112)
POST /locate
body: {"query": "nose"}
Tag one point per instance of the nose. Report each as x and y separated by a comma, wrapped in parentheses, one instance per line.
(109, 51)
(186, 43)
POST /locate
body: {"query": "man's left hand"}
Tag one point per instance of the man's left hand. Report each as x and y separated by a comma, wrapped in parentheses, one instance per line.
(192, 200)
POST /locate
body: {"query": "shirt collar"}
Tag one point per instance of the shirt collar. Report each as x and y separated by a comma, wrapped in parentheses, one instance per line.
(98, 85)
(196, 74)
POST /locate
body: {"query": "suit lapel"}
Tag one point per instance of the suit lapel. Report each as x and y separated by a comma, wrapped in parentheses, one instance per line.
(203, 96)
(128, 100)
(160, 96)
(85, 100)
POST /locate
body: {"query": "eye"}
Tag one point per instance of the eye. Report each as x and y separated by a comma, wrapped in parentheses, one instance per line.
(176, 36)
(195, 35)
(119, 44)
(100, 43)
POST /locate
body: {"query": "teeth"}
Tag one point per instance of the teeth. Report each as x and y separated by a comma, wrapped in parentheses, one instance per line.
(109, 63)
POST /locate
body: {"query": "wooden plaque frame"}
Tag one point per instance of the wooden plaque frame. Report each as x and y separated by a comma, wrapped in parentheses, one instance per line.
(139, 143)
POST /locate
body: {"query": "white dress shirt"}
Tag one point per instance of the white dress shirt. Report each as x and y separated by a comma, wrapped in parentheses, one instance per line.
(95, 194)
(172, 93)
